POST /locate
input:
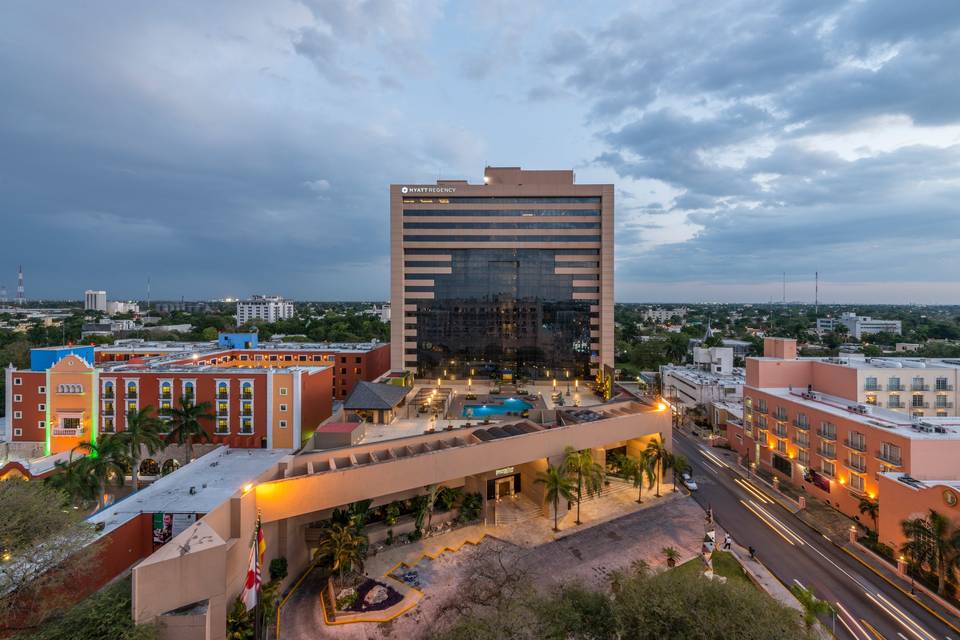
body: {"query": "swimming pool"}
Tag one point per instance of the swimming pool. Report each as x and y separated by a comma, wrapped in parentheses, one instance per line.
(510, 405)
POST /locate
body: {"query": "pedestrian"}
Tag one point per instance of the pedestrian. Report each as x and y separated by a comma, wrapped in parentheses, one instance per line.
(709, 514)
(753, 553)
(727, 542)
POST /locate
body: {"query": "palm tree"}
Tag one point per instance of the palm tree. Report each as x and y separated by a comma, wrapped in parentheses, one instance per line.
(637, 470)
(104, 463)
(932, 541)
(589, 474)
(679, 464)
(871, 508)
(812, 605)
(74, 480)
(185, 424)
(558, 485)
(342, 548)
(431, 501)
(142, 431)
(658, 455)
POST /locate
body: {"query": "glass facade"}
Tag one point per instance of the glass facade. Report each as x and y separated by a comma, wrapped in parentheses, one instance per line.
(503, 310)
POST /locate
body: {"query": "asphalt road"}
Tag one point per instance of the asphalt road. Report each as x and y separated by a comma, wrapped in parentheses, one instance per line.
(868, 607)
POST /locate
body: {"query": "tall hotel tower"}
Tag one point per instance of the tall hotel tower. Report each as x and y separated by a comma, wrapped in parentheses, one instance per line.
(513, 277)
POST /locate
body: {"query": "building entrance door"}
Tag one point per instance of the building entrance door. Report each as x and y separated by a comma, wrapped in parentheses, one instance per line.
(504, 488)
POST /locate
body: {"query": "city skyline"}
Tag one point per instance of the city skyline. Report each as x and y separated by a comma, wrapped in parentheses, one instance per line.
(817, 138)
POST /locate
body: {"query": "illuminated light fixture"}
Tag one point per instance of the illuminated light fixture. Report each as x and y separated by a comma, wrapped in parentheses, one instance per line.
(661, 406)
(247, 488)
(842, 481)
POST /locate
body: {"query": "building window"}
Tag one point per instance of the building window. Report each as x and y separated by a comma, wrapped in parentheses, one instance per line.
(223, 390)
(41, 389)
(41, 407)
(189, 391)
(871, 384)
(108, 389)
(283, 424)
(803, 458)
(41, 424)
(132, 389)
(108, 426)
(246, 391)
(17, 398)
(246, 426)
(18, 381)
(18, 432)
(223, 425)
(283, 407)
(357, 370)
(166, 390)
(828, 468)
(358, 360)
(856, 482)
(283, 391)
(890, 453)
(917, 401)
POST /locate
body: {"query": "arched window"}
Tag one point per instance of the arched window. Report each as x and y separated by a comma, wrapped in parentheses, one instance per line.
(149, 467)
(222, 390)
(166, 390)
(132, 389)
(246, 390)
(188, 389)
(108, 389)
(169, 466)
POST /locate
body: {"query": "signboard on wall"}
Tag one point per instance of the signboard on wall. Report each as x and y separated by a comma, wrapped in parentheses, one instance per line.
(166, 526)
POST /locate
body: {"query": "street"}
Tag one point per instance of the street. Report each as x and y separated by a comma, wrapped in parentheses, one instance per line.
(868, 608)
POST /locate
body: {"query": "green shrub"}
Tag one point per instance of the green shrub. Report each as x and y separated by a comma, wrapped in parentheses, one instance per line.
(278, 568)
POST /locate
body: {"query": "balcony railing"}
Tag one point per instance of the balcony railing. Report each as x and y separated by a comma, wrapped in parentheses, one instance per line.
(827, 435)
(829, 454)
(223, 395)
(896, 387)
(759, 409)
(65, 431)
(801, 425)
(873, 387)
(131, 395)
(859, 467)
(919, 405)
(942, 405)
(944, 387)
(780, 415)
(919, 387)
(780, 432)
(889, 458)
(107, 395)
(856, 445)
(824, 472)
(800, 442)
(896, 404)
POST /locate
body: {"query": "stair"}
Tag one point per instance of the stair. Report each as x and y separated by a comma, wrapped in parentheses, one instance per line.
(519, 509)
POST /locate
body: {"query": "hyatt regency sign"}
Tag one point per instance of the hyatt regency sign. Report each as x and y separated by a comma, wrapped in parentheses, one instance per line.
(428, 189)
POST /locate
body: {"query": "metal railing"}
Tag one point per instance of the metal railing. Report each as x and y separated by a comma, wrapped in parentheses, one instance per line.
(919, 387)
(919, 405)
(896, 387)
(829, 454)
(942, 405)
(896, 404)
(780, 415)
(780, 432)
(801, 425)
(896, 461)
(857, 445)
(873, 387)
(800, 442)
(854, 466)
(64, 431)
(943, 387)
(827, 435)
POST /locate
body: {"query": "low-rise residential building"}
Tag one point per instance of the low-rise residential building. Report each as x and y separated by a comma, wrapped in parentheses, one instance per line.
(661, 315)
(265, 308)
(805, 422)
(117, 307)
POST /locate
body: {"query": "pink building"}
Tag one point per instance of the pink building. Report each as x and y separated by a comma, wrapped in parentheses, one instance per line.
(804, 421)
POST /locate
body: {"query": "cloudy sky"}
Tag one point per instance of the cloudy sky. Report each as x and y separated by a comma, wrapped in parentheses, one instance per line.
(233, 147)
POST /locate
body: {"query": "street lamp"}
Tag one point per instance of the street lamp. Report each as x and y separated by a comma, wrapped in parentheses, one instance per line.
(567, 372)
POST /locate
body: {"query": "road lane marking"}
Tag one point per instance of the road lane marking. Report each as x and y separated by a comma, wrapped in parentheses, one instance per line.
(906, 617)
(782, 526)
(713, 458)
(922, 634)
(749, 489)
(854, 621)
(767, 522)
(876, 634)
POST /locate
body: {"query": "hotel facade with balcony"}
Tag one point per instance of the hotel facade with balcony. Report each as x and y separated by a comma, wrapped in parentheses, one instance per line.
(513, 277)
(261, 396)
(806, 423)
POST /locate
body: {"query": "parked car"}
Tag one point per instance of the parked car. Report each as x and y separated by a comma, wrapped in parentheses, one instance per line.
(688, 481)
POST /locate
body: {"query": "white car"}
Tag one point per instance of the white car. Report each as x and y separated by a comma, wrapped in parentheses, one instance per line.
(688, 481)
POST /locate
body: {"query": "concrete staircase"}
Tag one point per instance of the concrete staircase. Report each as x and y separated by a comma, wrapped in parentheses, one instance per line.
(517, 509)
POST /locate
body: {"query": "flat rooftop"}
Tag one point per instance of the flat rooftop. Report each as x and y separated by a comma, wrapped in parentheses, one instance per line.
(925, 428)
(914, 366)
(697, 376)
(214, 477)
(916, 483)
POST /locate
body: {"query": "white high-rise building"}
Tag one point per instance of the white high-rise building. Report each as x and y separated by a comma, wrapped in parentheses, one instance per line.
(94, 300)
(115, 307)
(266, 308)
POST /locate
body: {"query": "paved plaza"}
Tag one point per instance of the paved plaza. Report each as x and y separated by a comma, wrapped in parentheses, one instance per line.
(586, 554)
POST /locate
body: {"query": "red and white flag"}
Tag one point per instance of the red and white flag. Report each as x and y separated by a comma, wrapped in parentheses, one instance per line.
(252, 584)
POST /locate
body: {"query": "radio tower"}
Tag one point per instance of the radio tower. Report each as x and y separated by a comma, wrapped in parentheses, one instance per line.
(816, 292)
(20, 300)
(3, 293)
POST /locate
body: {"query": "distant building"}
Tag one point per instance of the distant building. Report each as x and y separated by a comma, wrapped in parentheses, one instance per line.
(266, 308)
(116, 307)
(661, 315)
(94, 300)
(187, 307)
(858, 326)
(711, 378)
(382, 312)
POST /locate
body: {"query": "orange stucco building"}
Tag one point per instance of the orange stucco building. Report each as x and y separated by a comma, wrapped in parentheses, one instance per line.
(804, 422)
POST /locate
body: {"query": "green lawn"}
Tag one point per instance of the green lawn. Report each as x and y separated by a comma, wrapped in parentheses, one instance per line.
(724, 564)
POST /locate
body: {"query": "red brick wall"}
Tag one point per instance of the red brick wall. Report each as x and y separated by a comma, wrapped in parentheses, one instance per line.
(316, 400)
(29, 390)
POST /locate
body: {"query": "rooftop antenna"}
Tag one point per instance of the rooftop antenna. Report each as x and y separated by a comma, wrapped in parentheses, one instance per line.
(3, 293)
(20, 298)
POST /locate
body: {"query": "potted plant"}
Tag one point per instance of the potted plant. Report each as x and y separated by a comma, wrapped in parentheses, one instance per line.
(671, 555)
